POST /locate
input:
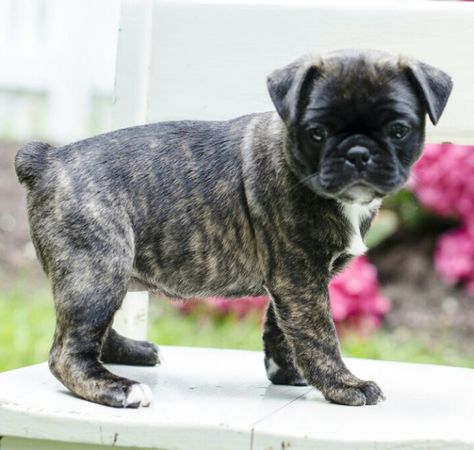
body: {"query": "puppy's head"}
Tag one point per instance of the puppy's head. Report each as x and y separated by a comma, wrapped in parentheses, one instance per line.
(356, 119)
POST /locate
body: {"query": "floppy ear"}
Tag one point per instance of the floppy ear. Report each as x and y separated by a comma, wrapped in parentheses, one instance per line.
(433, 85)
(288, 84)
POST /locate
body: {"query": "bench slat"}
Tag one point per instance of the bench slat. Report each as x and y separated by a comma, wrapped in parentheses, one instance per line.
(209, 60)
(221, 400)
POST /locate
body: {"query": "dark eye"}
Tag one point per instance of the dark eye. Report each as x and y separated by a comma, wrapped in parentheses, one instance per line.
(398, 131)
(319, 133)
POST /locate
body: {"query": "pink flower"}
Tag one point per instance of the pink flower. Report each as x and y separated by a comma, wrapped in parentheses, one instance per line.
(239, 307)
(443, 181)
(222, 306)
(454, 257)
(355, 295)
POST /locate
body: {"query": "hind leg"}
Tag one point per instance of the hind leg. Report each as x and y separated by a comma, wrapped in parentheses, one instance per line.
(119, 349)
(88, 291)
(278, 354)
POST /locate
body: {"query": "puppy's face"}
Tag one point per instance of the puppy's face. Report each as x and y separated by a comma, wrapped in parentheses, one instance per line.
(356, 120)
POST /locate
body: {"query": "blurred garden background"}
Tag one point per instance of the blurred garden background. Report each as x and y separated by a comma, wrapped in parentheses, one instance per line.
(410, 299)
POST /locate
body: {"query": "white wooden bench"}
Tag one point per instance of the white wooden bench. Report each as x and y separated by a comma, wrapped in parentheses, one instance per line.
(220, 399)
(209, 60)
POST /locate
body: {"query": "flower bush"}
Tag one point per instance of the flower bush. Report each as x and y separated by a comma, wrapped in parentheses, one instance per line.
(221, 306)
(454, 257)
(356, 300)
(443, 181)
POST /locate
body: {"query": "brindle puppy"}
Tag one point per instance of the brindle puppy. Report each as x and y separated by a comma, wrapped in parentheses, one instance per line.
(270, 203)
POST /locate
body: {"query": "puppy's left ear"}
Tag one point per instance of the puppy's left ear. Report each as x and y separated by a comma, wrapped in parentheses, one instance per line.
(288, 85)
(433, 85)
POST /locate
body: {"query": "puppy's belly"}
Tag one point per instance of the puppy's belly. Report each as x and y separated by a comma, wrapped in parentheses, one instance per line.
(192, 286)
(199, 273)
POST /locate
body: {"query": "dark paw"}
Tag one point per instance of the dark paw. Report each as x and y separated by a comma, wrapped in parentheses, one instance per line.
(150, 354)
(357, 394)
(122, 350)
(287, 376)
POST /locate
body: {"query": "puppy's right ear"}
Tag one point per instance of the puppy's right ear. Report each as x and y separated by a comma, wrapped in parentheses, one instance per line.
(288, 85)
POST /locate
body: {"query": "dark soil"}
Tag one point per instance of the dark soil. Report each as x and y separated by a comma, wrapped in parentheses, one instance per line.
(421, 302)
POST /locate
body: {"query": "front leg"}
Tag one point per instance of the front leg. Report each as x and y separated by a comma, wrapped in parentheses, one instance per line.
(305, 318)
(279, 360)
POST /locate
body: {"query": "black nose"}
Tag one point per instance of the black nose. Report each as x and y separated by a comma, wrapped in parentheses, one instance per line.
(358, 157)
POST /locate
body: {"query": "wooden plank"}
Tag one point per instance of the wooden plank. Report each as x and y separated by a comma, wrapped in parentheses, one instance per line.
(13, 443)
(132, 65)
(207, 399)
(209, 60)
(204, 399)
(427, 407)
(131, 320)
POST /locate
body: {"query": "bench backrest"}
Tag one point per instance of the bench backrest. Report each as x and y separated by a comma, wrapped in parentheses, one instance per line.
(189, 59)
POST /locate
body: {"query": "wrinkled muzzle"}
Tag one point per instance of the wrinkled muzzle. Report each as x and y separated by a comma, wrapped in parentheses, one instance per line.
(358, 169)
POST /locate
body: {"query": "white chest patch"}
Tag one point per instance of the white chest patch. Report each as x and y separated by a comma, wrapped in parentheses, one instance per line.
(355, 214)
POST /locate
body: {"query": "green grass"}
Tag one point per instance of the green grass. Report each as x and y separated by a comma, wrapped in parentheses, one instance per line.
(27, 325)
(26, 328)
(174, 329)
(404, 345)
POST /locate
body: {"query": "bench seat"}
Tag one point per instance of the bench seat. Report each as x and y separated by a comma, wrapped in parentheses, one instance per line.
(209, 399)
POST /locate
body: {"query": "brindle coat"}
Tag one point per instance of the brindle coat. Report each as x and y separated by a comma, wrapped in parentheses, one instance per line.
(213, 208)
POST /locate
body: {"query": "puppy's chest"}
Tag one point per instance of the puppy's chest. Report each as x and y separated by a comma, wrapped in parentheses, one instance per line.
(358, 218)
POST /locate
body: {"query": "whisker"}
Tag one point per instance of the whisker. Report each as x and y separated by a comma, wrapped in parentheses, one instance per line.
(302, 182)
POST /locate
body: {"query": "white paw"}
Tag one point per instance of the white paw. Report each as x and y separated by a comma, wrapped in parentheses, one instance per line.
(272, 367)
(139, 395)
(159, 354)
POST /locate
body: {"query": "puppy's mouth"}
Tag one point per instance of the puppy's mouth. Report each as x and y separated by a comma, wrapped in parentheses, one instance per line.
(357, 191)
(342, 181)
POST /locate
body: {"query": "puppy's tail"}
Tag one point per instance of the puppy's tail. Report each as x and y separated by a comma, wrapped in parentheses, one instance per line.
(30, 162)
